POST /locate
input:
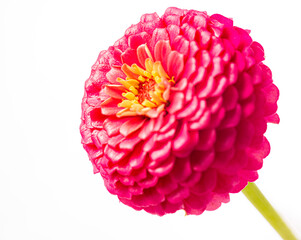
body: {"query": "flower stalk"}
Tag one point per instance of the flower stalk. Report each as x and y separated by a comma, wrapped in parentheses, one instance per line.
(255, 196)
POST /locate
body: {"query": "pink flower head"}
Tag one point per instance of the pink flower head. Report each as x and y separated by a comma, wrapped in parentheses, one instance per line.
(174, 112)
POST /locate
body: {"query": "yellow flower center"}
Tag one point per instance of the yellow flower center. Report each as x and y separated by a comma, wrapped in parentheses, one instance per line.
(145, 88)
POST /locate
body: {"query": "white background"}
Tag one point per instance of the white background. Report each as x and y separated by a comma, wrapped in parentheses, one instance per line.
(47, 188)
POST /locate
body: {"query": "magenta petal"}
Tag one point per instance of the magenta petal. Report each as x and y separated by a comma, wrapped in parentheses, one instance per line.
(178, 195)
(166, 185)
(273, 118)
(217, 201)
(196, 205)
(149, 198)
(206, 184)
(201, 160)
(207, 139)
(258, 51)
(225, 139)
(182, 169)
(192, 179)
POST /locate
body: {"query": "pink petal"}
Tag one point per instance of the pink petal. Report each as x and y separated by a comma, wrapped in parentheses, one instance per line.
(228, 22)
(182, 140)
(113, 74)
(150, 143)
(190, 68)
(161, 51)
(115, 91)
(138, 39)
(160, 153)
(203, 37)
(112, 125)
(166, 135)
(175, 64)
(130, 142)
(137, 158)
(147, 128)
(173, 31)
(131, 126)
(188, 31)
(129, 56)
(180, 85)
(181, 45)
(114, 155)
(176, 102)
(142, 55)
(201, 109)
(205, 88)
(169, 122)
(200, 123)
(115, 140)
(109, 106)
(189, 109)
(163, 169)
(193, 48)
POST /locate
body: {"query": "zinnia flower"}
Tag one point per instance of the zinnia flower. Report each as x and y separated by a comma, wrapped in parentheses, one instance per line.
(174, 113)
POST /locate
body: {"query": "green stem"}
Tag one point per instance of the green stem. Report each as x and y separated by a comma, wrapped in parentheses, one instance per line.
(255, 196)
